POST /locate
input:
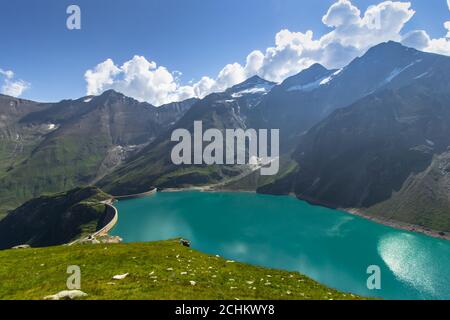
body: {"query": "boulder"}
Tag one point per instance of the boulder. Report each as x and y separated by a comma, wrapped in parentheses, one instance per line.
(66, 295)
(22, 246)
(120, 276)
(185, 242)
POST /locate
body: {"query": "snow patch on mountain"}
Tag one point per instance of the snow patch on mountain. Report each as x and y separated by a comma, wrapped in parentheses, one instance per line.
(51, 127)
(326, 80)
(264, 89)
(316, 84)
(310, 86)
(421, 75)
(307, 87)
(398, 71)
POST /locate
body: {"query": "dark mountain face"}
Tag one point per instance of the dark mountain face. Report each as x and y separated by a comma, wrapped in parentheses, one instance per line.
(292, 105)
(75, 142)
(307, 80)
(358, 156)
(17, 140)
(303, 100)
(244, 97)
(13, 109)
(250, 92)
(295, 106)
(127, 120)
(424, 198)
(229, 109)
(385, 151)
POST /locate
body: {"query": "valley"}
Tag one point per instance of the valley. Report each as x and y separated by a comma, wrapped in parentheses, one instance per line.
(281, 232)
(372, 136)
(225, 150)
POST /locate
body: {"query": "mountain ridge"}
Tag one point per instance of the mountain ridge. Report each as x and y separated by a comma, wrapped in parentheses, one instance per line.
(369, 154)
(57, 146)
(327, 120)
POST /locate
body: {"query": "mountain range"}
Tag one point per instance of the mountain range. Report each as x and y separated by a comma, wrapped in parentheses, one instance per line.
(386, 153)
(52, 147)
(374, 135)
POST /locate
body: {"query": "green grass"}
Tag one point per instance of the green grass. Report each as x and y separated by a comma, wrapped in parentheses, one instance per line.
(55, 219)
(155, 272)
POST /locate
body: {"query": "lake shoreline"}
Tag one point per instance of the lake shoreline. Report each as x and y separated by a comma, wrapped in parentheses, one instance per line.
(398, 224)
(284, 233)
(352, 211)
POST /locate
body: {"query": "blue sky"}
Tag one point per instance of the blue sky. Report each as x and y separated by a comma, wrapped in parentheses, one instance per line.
(196, 37)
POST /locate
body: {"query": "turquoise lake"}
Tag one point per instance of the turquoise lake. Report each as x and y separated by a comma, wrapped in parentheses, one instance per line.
(330, 246)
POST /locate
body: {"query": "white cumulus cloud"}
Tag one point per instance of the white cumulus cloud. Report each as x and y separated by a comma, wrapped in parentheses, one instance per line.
(420, 39)
(447, 26)
(144, 80)
(352, 33)
(101, 77)
(12, 87)
(342, 13)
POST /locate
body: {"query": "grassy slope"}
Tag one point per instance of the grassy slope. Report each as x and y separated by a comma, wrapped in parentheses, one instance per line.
(54, 219)
(35, 273)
